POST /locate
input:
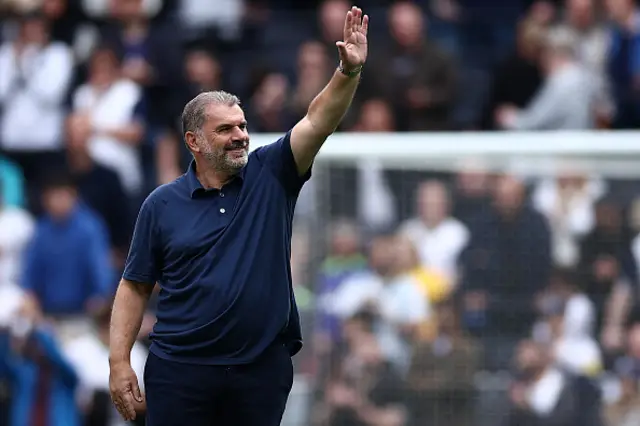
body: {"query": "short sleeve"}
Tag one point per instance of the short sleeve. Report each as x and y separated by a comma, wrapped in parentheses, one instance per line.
(279, 157)
(143, 263)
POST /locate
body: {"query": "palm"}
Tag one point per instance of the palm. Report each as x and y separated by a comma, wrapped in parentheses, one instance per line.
(353, 48)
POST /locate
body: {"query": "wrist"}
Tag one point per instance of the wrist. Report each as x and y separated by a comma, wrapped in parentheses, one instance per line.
(118, 359)
(348, 70)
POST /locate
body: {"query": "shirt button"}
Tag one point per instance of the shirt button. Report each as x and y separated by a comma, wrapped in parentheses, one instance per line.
(222, 194)
(222, 210)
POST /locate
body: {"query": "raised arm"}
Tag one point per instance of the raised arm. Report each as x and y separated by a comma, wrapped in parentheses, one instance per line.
(329, 107)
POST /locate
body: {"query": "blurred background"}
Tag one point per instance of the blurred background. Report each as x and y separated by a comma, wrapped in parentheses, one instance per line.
(487, 288)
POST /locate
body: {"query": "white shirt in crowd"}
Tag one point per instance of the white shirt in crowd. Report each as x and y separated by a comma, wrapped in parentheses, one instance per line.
(399, 302)
(32, 94)
(577, 350)
(90, 358)
(570, 216)
(113, 109)
(438, 247)
(16, 229)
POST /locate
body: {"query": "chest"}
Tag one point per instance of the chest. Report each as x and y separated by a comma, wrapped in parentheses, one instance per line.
(245, 214)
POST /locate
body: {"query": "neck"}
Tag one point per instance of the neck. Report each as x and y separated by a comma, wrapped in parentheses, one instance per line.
(79, 161)
(135, 27)
(629, 23)
(432, 223)
(210, 177)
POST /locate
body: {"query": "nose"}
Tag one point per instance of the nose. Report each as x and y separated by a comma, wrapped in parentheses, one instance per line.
(240, 133)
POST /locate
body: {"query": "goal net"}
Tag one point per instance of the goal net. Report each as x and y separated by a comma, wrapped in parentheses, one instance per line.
(435, 272)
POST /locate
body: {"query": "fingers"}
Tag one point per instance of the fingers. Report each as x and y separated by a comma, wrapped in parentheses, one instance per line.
(125, 406)
(136, 391)
(365, 24)
(356, 21)
(347, 24)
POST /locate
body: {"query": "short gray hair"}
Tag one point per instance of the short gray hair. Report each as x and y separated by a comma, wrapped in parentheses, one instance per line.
(193, 115)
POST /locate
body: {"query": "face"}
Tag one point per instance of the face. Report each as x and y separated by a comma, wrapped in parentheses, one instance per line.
(202, 68)
(634, 341)
(405, 255)
(530, 37)
(608, 216)
(472, 180)
(376, 116)
(58, 202)
(345, 240)
(619, 10)
(312, 57)
(103, 69)
(580, 13)
(224, 140)
(509, 195)
(54, 9)
(433, 202)
(382, 255)
(332, 14)
(406, 23)
(530, 358)
(34, 30)
(126, 9)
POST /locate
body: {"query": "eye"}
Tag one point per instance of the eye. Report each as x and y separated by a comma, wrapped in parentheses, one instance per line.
(243, 126)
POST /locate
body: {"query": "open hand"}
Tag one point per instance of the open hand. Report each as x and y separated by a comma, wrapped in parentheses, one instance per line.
(353, 47)
(125, 391)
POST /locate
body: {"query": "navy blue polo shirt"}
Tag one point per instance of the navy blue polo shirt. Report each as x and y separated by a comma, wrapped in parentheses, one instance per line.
(222, 260)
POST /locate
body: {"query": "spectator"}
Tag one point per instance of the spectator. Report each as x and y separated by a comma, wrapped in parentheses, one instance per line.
(606, 259)
(345, 259)
(413, 74)
(12, 183)
(505, 265)
(36, 73)
(625, 410)
(89, 356)
(269, 105)
(432, 284)
(365, 389)
(581, 17)
(570, 320)
(111, 107)
(544, 395)
(99, 188)
(591, 50)
(517, 79)
(439, 237)
(331, 24)
(392, 291)
(567, 99)
(151, 55)
(16, 229)
(471, 191)
(314, 69)
(375, 199)
(568, 202)
(43, 379)
(441, 378)
(202, 72)
(622, 62)
(67, 270)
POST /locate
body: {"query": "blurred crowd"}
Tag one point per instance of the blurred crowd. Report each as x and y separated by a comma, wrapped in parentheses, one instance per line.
(462, 298)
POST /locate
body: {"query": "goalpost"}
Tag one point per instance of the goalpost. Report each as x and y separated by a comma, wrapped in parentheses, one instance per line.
(364, 176)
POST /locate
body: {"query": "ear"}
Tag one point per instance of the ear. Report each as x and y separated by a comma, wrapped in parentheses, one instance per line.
(191, 139)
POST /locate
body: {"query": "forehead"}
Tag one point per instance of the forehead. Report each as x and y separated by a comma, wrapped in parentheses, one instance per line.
(223, 114)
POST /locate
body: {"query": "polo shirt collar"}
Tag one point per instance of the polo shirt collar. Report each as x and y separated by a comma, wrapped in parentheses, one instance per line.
(194, 184)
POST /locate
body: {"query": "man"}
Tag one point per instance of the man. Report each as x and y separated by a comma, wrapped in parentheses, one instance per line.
(217, 240)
